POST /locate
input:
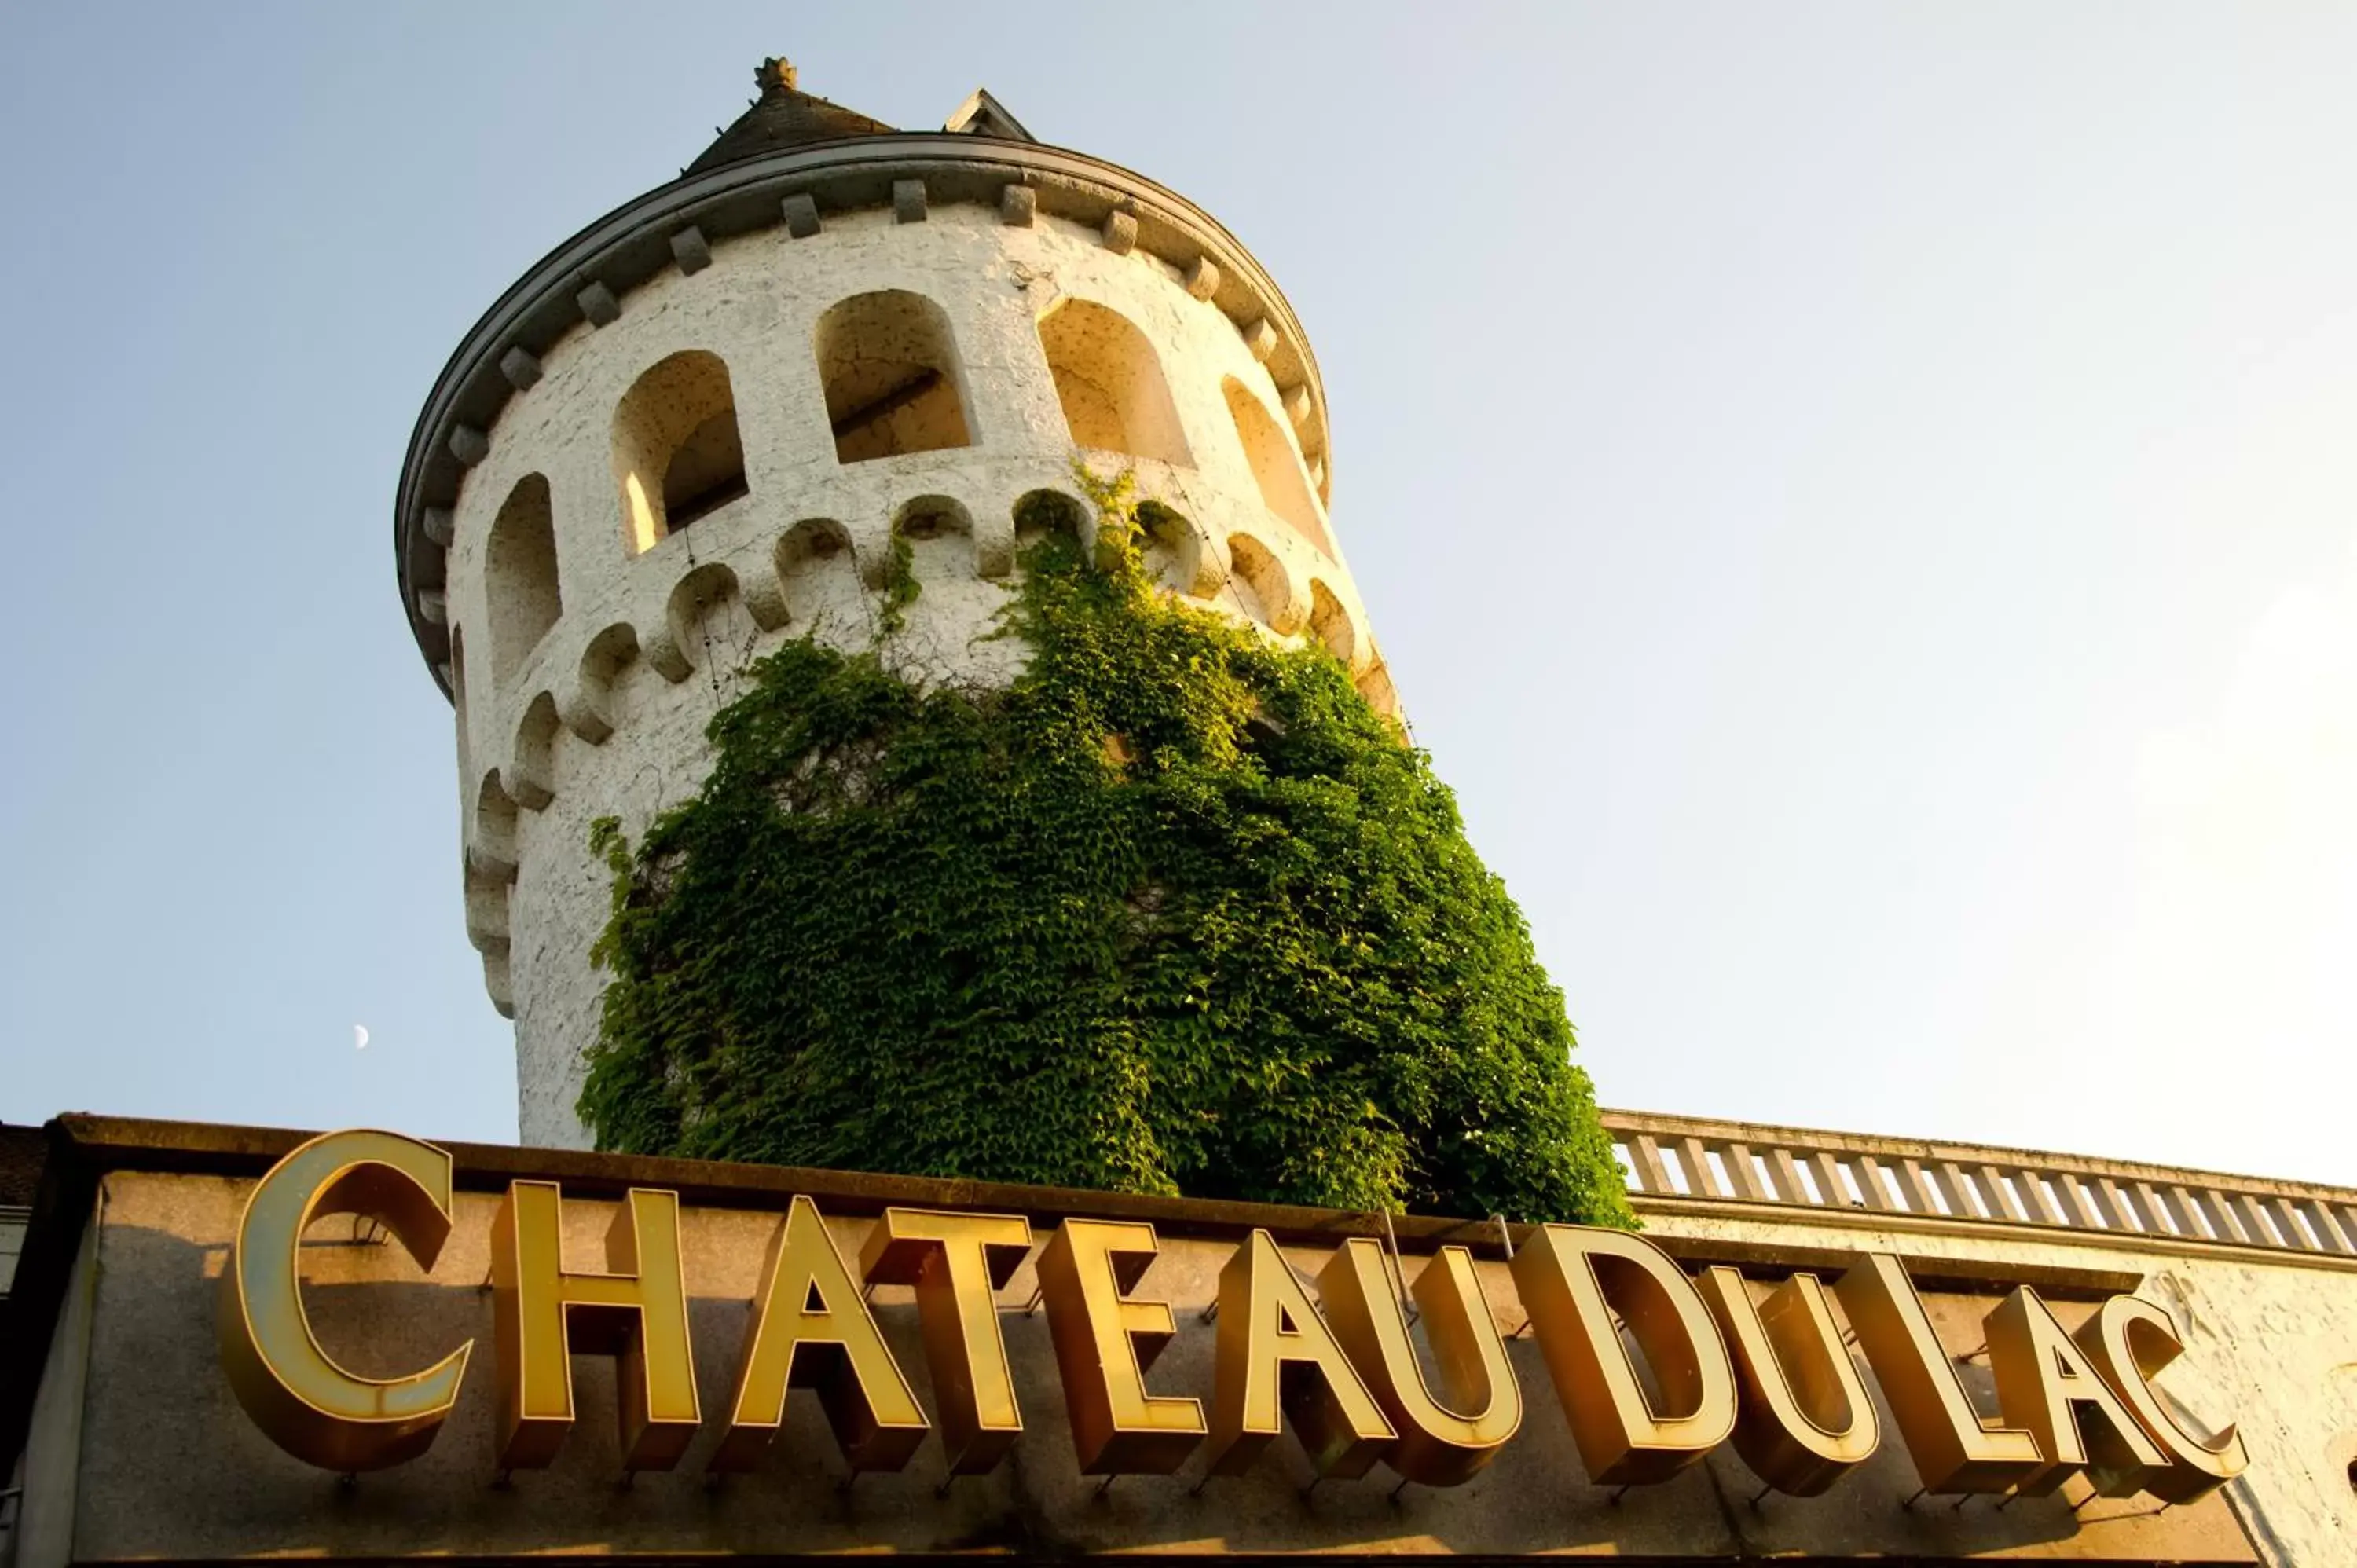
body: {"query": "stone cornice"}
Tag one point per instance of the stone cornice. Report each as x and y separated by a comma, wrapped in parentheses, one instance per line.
(672, 226)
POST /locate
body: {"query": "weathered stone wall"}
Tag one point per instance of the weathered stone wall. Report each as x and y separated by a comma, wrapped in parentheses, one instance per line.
(605, 716)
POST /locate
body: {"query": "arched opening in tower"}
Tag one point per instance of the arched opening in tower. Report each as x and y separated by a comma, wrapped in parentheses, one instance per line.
(890, 372)
(1110, 382)
(1330, 623)
(678, 456)
(1169, 546)
(1260, 586)
(520, 576)
(1276, 465)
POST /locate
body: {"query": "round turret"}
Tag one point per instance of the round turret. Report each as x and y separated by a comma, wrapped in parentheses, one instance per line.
(739, 409)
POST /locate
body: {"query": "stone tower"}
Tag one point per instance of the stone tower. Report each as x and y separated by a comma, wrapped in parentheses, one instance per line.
(700, 426)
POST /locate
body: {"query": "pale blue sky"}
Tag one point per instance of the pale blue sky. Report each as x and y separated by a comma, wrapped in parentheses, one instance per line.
(1858, 500)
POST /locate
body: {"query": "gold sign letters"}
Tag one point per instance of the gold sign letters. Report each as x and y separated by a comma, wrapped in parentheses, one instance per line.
(1274, 1349)
(1437, 1445)
(308, 1404)
(811, 1329)
(958, 1263)
(1654, 1369)
(2046, 1387)
(1105, 1343)
(1572, 1282)
(2130, 1340)
(635, 1312)
(1805, 1419)
(1953, 1450)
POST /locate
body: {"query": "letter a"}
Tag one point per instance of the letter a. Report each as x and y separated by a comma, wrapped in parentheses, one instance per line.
(811, 1329)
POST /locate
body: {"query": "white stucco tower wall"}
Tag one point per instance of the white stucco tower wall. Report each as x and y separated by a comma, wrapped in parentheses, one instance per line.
(802, 352)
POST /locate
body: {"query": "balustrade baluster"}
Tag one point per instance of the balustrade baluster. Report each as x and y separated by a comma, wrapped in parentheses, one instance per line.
(1830, 1187)
(2211, 1206)
(1915, 1184)
(2120, 1206)
(2076, 1209)
(2195, 1218)
(2033, 1191)
(1871, 1184)
(2329, 1235)
(1696, 1161)
(1956, 1187)
(2288, 1225)
(1743, 1171)
(2254, 1223)
(1786, 1176)
(2004, 1203)
(1650, 1171)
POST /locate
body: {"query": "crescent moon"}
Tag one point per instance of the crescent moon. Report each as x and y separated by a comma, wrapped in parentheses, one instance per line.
(360, 1036)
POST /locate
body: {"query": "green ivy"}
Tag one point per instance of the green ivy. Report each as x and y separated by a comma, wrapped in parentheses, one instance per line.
(1177, 912)
(901, 588)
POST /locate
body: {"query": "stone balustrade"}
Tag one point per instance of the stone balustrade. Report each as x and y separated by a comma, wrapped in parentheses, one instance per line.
(1692, 1161)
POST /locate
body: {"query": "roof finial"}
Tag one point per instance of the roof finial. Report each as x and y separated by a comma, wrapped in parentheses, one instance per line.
(779, 69)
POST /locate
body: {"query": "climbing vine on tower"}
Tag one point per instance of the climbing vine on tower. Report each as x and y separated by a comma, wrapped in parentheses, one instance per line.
(1175, 912)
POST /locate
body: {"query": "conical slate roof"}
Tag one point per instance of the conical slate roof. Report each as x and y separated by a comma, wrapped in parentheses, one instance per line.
(783, 116)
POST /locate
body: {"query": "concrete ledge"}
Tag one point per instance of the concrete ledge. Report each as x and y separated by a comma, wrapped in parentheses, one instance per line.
(101, 1144)
(113, 1143)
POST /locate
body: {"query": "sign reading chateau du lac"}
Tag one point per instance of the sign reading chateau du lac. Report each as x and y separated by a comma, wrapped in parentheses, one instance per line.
(1421, 1366)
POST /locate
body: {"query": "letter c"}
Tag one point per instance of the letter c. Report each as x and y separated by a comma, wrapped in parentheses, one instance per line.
(298, 1396)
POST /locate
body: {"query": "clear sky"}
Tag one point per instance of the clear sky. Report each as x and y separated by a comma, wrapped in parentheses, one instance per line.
(1859, 500)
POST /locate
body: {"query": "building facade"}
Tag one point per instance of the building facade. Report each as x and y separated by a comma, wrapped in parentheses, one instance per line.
(134, 1431)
